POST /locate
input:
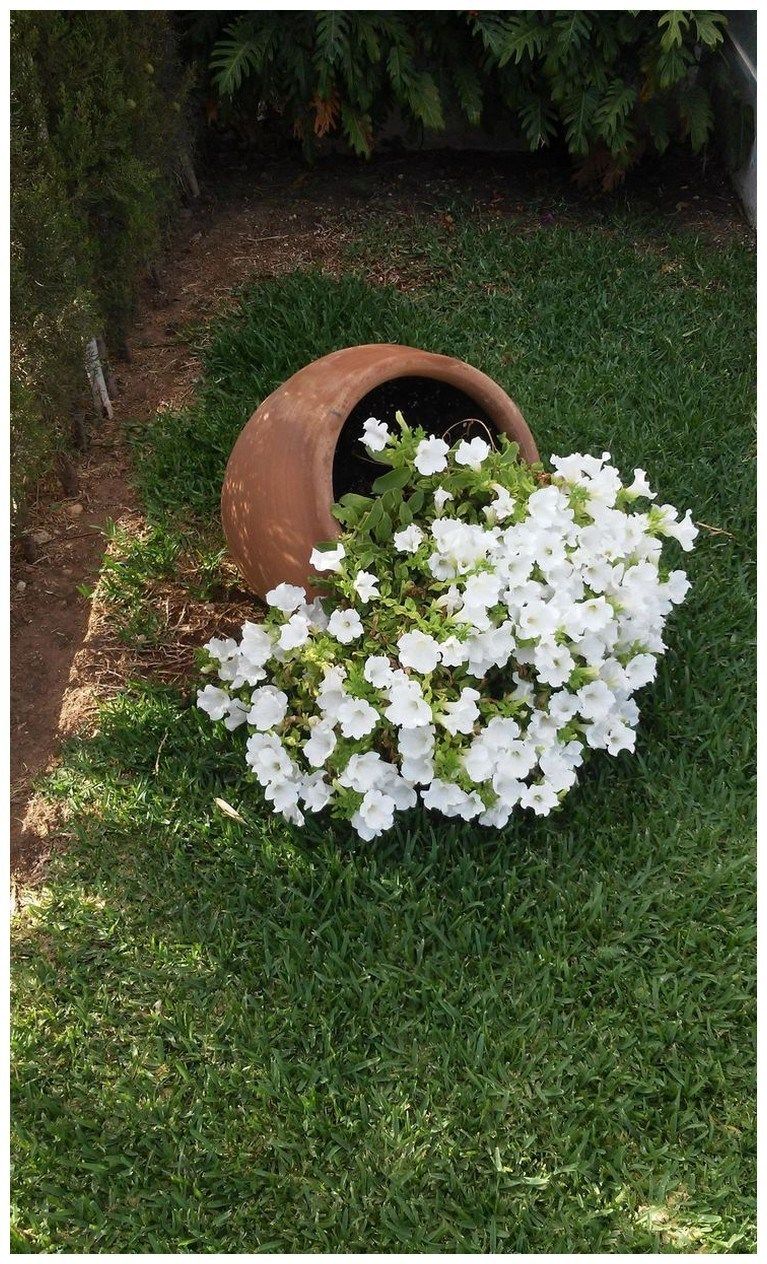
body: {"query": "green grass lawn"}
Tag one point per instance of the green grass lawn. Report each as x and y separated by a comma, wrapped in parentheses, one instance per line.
(244, 1037)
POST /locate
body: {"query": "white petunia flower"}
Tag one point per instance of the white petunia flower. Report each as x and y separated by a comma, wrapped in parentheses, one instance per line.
(441, 497)
(213, 701)
(315, 614)
(418, 651)
(294, 633)
(416, 742)
(453, 652)
(553, 663)
(320, 744)
(366, 586)
(431, 456)
(345, 626)
(460, 716)
(315, 792)
(236, 715)
(374, 815)
(508, 788)
(676, 587)
(685, 532)
(444, 796)
(540, 798)
(357, 718)
(640, 670)
(595, 700)
(284, 797)
(266, 755)
(408, 540)
(536, 619)
(286, 597)
(327, 559)
(502, 507)
(640, 486)
(378, 671)
(472, 453)
(517, 760)
(267, 707)
(479, 760)
(257, 643)
(483, 589)
(558, 770)
(418, 769)
(363, 772)
(407, 707)
(222, 649)
(375, 434)
(620, 737)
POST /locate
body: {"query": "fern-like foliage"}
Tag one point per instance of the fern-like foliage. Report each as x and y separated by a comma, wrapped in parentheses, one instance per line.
(608, 84)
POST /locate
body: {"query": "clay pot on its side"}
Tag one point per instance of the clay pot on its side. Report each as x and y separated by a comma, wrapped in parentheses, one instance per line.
(278, 488)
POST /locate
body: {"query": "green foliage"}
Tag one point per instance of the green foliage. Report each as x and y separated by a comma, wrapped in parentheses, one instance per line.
(97, 125)
(608, 83)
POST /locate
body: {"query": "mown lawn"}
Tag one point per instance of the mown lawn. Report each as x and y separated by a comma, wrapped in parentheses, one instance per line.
(242, 1037)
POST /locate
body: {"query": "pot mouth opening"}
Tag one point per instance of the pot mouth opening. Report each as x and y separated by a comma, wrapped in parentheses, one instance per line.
(429, 402)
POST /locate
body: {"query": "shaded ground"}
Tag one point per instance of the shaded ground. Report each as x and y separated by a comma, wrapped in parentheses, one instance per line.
(253, 220)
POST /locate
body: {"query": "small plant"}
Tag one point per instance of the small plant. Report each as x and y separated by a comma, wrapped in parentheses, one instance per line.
(487, 626)
(133, 565)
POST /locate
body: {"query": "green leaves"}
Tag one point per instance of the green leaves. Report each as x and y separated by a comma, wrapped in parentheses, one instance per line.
(526, 36)
(709, 26)
(351, 509)
(393, 481)
(673, 24)
(577, 115)
(697, 115)
(425, 102)
(239, 55)
(357, 129)
(538, 119)
(601, 79)
(613, 110)
(469, 89)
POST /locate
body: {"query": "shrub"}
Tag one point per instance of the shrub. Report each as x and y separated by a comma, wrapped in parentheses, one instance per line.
(607, 83)
(97, 125)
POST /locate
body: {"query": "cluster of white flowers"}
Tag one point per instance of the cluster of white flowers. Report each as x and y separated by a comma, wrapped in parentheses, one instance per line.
(470, 653)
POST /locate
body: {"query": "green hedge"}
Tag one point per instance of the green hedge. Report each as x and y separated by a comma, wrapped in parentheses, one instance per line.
(97, 130)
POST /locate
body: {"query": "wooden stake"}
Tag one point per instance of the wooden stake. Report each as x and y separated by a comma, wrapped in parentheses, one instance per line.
(96, 378)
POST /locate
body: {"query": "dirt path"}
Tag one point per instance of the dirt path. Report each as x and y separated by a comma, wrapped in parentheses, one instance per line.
(264, 222)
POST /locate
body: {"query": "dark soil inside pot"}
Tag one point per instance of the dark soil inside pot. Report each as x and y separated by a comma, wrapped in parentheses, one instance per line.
(439, 408)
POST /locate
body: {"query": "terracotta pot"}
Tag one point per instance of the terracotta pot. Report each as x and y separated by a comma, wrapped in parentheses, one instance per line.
(278, 488)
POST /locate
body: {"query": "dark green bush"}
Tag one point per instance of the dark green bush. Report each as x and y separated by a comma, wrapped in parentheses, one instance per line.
(97, 127)
(605, 83)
